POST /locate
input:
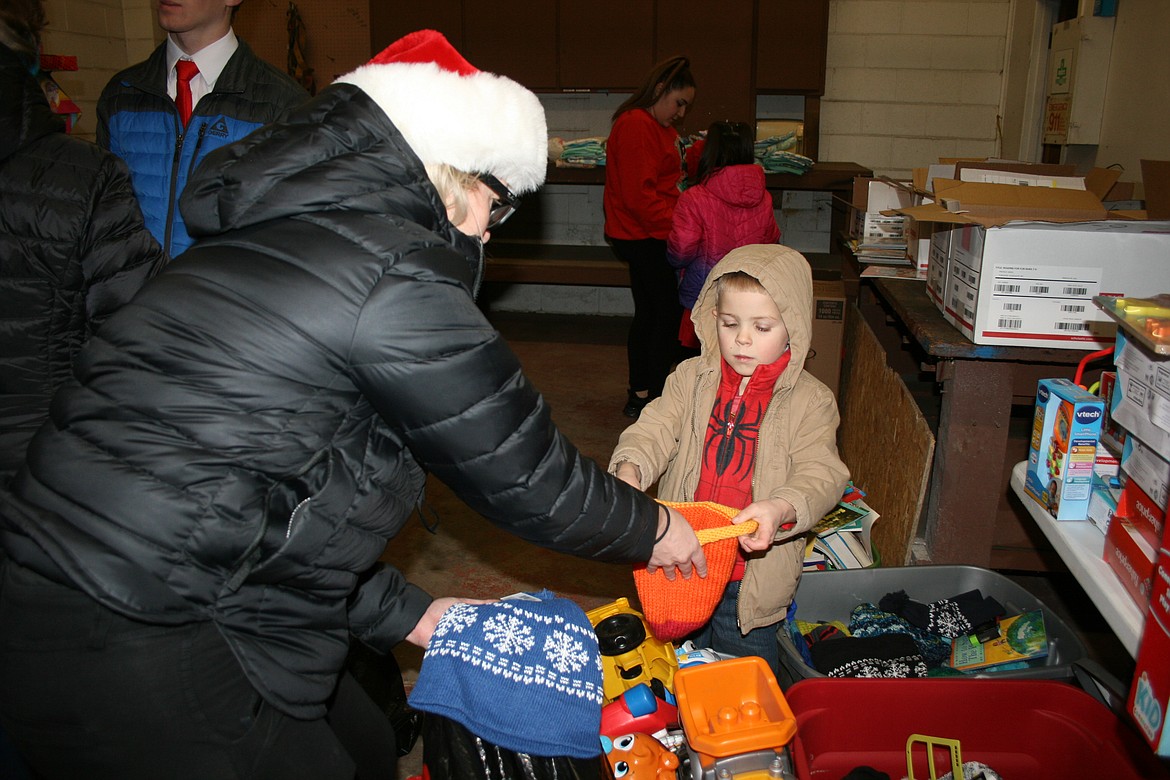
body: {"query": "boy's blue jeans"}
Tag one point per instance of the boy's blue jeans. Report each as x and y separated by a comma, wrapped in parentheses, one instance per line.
(722, 635)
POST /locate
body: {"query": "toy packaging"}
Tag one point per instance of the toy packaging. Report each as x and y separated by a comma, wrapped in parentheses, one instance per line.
(1065, 432)
(1022, 641)
(1150, 692)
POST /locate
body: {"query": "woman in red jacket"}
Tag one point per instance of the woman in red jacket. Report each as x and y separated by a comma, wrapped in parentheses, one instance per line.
(729, 207)
(643, 169)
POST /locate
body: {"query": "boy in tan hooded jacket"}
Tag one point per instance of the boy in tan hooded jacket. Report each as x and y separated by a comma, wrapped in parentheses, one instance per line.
(745, 422)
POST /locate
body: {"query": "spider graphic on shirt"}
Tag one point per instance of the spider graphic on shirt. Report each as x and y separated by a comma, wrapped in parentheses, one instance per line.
(733, 435)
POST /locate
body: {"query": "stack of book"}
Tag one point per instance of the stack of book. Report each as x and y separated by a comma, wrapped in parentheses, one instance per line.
(841, 540)
(887, 250)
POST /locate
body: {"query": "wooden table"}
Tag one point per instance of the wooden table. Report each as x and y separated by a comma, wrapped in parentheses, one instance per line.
(979, 385)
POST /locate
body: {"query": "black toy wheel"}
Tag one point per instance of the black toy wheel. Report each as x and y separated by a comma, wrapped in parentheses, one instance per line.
(619, 634)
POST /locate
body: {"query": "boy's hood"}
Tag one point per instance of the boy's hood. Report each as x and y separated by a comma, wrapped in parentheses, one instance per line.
(785, 274)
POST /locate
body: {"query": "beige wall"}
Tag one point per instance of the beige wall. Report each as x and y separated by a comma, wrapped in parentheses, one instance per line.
(105, 36)
(1136, 119)
(909, 81)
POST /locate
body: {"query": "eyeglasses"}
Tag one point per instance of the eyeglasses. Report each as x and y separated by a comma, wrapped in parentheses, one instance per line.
(505, 204)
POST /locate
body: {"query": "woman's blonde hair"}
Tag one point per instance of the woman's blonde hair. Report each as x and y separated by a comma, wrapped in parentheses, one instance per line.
(453, 186)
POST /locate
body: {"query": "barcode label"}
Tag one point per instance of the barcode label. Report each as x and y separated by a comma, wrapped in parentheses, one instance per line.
(1076, 290)
(1011, 323)
(1013, 306)
(1072, 308)
(1038, 289)
(1072, 326)
(1007, 288)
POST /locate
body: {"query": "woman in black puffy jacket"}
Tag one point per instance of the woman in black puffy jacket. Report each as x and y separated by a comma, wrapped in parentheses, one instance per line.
(207, 510)
(73, 246)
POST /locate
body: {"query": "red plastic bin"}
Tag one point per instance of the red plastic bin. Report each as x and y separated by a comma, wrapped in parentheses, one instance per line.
(1020, 728)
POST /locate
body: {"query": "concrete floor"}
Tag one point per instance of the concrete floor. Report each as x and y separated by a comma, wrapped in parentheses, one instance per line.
(579, 364)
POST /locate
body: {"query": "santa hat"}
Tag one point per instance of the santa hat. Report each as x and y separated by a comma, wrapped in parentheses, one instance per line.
(451, 112)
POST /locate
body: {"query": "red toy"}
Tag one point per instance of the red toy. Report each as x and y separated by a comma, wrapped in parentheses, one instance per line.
(638, 757)
(639, 710)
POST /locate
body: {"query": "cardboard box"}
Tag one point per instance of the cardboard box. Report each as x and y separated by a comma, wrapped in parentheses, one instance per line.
(872, 196)
(1106, 463)
(1063, 448)
(1150, 691)
(936, 267)
(1131, 558)
(1103, 502)
(1141, 396)
(1031, 284)
(1143, 513)
(1112, 435)
(828, 333)
(1149, 469)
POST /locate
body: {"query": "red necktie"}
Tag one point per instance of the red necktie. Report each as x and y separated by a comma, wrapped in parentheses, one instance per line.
(185, 70)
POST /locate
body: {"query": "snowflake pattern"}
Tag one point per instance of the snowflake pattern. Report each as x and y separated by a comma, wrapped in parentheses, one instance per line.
(455, 619)
(947, 619)
(508, 634)
(565, 653)
(518, 644)
(902, 666)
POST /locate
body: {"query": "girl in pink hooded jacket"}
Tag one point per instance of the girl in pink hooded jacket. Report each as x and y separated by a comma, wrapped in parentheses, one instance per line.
(729, 207)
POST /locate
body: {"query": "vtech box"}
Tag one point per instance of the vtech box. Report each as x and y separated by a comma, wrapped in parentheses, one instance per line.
(1065, 431)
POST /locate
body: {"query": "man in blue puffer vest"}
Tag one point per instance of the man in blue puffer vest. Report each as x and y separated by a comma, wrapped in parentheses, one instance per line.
(233, 93)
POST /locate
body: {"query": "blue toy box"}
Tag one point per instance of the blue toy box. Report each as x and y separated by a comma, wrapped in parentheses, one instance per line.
(1065, 432)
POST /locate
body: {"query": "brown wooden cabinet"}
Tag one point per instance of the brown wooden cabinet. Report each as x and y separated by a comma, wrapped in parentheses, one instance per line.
(517, 39)
(605, 45)
(390, 21)
(719, 44)
(791, 42)
(738, 49)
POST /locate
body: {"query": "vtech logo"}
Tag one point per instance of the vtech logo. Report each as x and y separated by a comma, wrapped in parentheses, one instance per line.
(1042, 394)
(1089, 415)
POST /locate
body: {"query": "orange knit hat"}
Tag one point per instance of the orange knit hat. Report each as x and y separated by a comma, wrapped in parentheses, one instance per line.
(675, 608)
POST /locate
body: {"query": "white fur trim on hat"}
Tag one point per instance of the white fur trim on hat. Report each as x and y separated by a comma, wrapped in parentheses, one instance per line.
(479, 123)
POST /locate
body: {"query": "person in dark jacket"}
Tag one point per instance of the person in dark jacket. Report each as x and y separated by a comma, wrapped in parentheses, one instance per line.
(196, 535)
(231, 93)
(73, 247)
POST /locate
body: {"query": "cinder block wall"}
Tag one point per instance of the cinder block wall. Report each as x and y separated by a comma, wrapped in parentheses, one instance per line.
(105, 36)
(909, 81)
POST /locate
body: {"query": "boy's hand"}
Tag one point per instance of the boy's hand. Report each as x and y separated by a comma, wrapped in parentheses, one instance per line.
(678, 548)
(774, 515)
(630, 474)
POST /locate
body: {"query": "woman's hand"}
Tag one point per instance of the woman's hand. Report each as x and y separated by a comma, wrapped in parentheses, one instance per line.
(678, 547)
(773, 515)
(421, 634)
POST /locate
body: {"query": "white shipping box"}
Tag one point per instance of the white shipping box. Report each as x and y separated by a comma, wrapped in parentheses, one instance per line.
(936, 268)
(1141, 396)
(870, 198)
(1031, 284)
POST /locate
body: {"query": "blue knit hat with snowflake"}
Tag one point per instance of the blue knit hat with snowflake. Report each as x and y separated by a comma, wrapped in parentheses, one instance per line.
(522, 673)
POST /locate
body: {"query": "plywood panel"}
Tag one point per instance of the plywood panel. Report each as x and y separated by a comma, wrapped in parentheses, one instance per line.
(884, 439)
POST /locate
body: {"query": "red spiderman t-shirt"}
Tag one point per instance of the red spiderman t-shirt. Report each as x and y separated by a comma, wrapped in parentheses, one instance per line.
(729, 452)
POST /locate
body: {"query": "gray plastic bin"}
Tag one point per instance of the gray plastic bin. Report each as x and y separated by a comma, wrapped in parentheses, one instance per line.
(832, 595)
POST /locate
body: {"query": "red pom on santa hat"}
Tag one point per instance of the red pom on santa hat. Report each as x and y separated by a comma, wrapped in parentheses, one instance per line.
(425, 46)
